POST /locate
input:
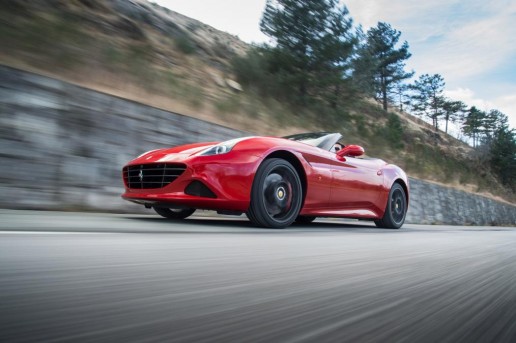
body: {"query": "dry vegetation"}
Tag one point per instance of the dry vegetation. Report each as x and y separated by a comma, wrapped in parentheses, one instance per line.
(141, 51)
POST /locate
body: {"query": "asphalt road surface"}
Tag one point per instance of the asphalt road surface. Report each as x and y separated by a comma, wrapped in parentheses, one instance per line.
(140, 278)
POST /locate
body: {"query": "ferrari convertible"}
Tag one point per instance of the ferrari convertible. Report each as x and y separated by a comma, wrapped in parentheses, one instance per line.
(274, 181)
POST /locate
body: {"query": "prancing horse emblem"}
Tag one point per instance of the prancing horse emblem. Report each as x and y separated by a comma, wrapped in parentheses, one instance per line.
(141, 175)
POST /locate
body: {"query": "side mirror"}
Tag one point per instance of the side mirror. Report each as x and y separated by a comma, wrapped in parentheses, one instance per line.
(351, 150)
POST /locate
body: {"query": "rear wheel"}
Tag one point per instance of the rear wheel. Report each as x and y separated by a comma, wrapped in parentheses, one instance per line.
(276, 195)
(173, 213)
(396, 209)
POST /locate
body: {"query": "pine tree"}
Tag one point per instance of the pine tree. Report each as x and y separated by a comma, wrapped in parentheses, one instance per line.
(364, 66)
(400, 91)
(427, 98)
(503, 155)
(453, 111)
(387, 62)
(313, 43)
(492, 122)
(472, 126)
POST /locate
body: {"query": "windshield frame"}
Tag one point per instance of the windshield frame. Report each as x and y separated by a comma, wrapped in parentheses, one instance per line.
(322, 140)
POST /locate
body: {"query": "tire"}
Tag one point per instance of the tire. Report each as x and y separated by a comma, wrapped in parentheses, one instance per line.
(276, 194)
(172, 213)
(305, 219)
(396, 209)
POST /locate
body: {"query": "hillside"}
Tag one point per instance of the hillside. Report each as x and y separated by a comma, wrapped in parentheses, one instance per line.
(144, 52)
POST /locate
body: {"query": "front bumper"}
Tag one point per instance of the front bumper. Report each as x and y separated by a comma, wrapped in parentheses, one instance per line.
(229, 177)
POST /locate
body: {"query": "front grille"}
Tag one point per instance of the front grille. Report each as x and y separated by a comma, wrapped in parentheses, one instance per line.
(143, 176)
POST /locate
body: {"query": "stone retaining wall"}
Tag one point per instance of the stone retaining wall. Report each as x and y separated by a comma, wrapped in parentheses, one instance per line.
(63, 146)
(435, 204)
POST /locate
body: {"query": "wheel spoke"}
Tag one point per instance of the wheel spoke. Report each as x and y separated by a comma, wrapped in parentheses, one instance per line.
(277, 192)
(397, 206)
(276, 195)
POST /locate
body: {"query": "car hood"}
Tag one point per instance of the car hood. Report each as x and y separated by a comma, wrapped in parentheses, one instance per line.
(175, 154)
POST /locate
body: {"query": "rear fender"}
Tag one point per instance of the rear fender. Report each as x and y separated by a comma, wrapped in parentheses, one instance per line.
(393, 174)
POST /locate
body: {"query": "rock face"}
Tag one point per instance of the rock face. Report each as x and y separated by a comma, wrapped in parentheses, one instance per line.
(63, 147)
(126, 22)
(171, 23)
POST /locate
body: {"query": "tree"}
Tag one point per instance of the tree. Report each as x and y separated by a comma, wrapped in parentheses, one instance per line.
(387, 62)
(453, 111)
(491, 123)
(503, 155)
(364, 66)
(313, 43)
(427, 98)
(400, 90)
(472, 126)
(333, 60)
(495, 140)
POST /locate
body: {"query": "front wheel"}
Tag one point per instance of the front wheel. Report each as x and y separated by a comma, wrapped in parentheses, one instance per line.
(396, 209)
(276, 195)
(173, 213)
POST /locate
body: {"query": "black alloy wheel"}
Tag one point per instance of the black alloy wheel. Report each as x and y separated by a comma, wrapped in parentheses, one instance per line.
(396, 209)
(276, 195)
(174, 213)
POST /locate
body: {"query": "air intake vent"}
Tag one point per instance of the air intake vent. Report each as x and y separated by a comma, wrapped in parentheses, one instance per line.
(197, 188)
(159, 175)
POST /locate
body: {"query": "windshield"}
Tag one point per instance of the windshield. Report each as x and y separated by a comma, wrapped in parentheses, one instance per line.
(323, 140)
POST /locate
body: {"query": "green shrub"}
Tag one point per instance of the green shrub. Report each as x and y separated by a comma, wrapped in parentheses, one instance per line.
(250, 69)
(185, 44)
(394, 131)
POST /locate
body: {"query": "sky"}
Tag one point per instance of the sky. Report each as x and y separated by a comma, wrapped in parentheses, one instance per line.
(472, 44)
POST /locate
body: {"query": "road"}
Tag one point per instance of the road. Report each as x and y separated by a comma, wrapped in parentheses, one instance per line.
(140, 278)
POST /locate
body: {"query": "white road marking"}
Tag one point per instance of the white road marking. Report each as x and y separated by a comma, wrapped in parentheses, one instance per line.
(22, 232)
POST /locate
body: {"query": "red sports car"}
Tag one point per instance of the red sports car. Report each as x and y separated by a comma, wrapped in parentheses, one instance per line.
(275, 181)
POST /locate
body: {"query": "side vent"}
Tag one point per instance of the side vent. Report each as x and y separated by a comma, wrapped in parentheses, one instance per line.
(197, 188)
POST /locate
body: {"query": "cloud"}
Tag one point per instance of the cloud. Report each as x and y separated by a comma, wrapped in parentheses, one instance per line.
(413, 18)
(450, 37)
(472, 44)
(471, 49)
(467, 96)
(507, 104)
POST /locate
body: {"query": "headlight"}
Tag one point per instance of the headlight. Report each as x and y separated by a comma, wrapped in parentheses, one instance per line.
(221, 148)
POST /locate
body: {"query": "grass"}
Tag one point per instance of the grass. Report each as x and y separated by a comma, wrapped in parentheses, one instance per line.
(47, 39)
(228, 104)
(180, 88)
